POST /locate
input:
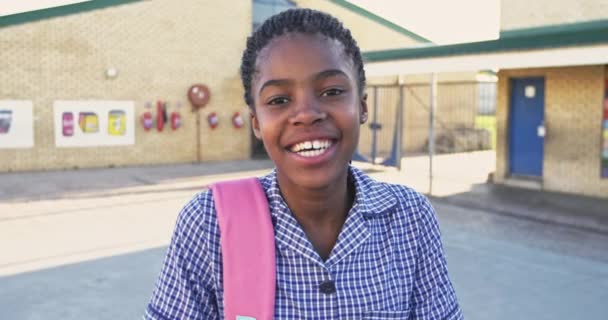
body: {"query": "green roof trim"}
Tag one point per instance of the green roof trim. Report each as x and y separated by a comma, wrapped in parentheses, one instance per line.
(578, 34)
(555, 28)
(31, 16)
(378, 19)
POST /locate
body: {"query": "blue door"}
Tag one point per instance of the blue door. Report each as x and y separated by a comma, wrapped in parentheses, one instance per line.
(526, 134)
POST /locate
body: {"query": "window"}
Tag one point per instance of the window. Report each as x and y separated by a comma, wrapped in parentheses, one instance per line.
(263, 9)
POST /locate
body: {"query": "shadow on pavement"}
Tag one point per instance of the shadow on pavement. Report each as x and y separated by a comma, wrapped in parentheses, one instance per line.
(116, 287)
(588, 213)
(58, 184)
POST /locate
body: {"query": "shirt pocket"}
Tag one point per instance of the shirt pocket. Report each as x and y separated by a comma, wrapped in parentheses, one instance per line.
(386, 315)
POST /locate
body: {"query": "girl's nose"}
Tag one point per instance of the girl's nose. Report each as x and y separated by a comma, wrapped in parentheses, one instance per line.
(307, 112)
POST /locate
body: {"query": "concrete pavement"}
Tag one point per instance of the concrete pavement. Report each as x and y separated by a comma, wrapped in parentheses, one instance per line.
(88, 244)
(99, 261)
(563, 209)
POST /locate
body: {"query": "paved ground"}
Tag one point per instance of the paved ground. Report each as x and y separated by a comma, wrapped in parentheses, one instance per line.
(89, 244)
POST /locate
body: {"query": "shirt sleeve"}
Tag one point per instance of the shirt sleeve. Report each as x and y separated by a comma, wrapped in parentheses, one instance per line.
(433, 297)
(183, 288)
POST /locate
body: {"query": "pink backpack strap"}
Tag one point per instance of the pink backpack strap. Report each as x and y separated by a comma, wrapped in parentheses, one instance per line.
(248, 251)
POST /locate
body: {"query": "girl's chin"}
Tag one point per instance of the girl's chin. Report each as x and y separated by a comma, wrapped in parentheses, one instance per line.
(316, 179)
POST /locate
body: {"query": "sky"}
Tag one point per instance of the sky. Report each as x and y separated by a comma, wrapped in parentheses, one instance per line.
(17, 6)
(441, 21)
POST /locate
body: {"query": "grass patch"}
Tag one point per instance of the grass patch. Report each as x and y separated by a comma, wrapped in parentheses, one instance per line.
(487, 122)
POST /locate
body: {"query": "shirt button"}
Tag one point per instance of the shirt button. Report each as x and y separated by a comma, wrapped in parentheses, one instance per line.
(327, 287)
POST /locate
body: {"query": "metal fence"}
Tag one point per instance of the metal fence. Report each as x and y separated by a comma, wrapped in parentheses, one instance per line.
(463, 121)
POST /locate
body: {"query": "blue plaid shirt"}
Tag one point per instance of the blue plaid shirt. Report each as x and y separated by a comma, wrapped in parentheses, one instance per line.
(387, 263)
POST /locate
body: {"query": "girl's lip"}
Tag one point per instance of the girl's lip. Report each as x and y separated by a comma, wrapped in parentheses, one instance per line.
(315, 160)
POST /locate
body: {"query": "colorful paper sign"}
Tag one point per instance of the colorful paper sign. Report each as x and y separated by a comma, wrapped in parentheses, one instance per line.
(94, 123)
(16, 124)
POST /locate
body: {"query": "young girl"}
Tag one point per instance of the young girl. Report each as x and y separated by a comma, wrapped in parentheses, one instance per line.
(347, 247)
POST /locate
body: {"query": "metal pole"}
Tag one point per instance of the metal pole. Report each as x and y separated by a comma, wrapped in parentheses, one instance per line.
(374, 125)
(433, 98)
(198, 136)
(400, 127)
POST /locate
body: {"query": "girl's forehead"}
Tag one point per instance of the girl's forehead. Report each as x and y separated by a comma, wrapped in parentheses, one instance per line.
(313, 49)
(302, 39)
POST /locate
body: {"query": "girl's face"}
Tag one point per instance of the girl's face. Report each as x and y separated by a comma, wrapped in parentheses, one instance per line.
(307, 109)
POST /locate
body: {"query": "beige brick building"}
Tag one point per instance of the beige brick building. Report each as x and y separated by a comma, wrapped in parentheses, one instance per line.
(552, 59)
(573, 120)
(160, 48)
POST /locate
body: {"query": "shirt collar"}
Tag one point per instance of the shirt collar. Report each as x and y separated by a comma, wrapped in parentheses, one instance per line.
(373, 199)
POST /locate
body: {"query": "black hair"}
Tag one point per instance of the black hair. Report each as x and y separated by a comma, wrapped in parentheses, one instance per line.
(302, 21)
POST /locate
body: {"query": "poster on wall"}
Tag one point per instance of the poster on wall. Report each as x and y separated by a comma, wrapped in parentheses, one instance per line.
(605, 134)
(16, 124)
(94, 123)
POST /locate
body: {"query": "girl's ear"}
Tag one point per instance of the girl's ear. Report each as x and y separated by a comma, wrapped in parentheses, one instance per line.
(255, 125)
(363, 111)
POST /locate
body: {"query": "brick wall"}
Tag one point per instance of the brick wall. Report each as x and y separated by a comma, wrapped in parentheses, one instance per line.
(573, 113)
(159, 48)
(516, 14)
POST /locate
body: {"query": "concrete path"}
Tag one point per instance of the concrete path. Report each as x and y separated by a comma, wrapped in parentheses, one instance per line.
(89, 245)
(106, 261)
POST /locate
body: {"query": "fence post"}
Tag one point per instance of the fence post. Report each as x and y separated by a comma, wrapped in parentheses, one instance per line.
(399, 141)
(433, 99)
(374, 124)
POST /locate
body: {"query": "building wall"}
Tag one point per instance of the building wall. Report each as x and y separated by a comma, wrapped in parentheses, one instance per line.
(516, 14)
(159, 48)
(573, 115)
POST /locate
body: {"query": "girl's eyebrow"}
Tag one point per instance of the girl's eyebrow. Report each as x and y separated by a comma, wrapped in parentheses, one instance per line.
(329, 73)
(275, 82)
(319, 76)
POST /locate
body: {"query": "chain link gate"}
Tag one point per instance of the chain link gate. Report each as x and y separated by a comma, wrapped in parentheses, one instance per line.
(380, 139)
(402, 121)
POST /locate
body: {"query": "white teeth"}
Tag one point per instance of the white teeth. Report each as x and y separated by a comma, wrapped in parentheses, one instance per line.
(311, 153)
(311, 148)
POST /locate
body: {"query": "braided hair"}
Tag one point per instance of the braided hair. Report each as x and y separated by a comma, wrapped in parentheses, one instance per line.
(301, 21)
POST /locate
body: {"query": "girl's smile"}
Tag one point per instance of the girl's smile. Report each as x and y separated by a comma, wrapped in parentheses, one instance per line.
(313, 152)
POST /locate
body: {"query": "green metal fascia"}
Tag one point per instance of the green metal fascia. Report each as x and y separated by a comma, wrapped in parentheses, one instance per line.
(555, 28)
(376, 18)
(539, 38)
(54, 12)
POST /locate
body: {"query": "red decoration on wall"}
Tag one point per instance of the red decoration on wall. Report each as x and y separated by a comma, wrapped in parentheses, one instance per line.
(160, 118)
(199, 95)
(176, 120)
(213, 120)
(237, 120)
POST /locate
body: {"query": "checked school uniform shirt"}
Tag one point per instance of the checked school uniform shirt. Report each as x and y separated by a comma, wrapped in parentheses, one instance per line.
(387, 263)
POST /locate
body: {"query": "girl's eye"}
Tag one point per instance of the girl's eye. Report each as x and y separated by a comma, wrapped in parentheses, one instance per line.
(278, 101)
(332, 92)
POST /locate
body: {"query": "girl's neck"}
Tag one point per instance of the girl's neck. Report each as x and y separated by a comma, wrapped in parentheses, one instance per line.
(322, 206)
(320, 212)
